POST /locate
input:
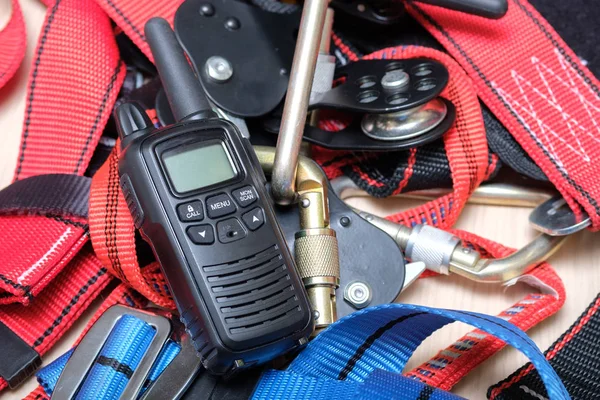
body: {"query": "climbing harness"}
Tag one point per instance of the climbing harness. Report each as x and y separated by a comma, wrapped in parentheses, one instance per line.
(49, 273)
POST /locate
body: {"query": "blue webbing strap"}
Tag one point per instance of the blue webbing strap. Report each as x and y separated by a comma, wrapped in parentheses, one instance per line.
(348, 359)
(120, 356)
(360, 356)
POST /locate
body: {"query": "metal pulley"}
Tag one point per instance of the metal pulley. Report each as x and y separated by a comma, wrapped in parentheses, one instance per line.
(393, 105)
(388, 12)
(406, 124)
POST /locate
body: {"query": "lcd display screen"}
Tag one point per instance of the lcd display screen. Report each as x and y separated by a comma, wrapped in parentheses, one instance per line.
(198, 166)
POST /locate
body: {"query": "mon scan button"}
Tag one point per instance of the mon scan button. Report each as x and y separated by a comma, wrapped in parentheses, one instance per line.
(245, 195)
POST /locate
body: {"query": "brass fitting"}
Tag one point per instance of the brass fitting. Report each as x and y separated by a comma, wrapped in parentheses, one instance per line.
(315, 246)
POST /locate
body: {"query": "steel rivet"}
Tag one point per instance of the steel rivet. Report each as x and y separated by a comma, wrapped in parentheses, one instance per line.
(219, 69)
(345, 221)
(305, 203)
(358, 294)
(395, 80)
(207, 10)
(232, 23)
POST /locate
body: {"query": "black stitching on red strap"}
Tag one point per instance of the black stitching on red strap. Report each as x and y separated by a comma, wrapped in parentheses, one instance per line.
(466, 144)
(65, 311)
(126, 20)
(25, 288)
(67, 221)
(32, 86)
(437, 26)
(111, 85)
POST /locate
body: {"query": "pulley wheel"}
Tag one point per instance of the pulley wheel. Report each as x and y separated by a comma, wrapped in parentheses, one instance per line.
(407, 124)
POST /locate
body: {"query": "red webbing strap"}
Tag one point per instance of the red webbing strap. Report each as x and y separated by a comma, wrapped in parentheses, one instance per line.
(75, 78)
(33, 250)
(74, 82)
(536, 86)
(113, 235)
(131, 16)
(122, 294)
(33, 256)
(450, 365)
(73, 85)
(12, 49)
(45, 320)
(465, 144)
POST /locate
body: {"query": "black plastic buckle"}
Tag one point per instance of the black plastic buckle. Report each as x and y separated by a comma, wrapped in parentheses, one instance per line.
(19, 360)
(90, 346)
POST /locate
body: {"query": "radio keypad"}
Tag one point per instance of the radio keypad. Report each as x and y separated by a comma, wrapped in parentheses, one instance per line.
(254, 218)
(228, 230)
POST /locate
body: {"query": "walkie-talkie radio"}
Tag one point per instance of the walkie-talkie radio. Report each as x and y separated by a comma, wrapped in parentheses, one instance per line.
(197, 193)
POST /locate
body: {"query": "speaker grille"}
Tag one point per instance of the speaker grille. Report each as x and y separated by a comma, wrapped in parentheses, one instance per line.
(254, 293)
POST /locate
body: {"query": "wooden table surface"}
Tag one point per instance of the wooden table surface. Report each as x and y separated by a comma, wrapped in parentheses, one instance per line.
(577, 263)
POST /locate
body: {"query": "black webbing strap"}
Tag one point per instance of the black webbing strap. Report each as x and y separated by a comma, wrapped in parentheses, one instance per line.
(575, 357)
(508, 149)
(53, 194)
(20, 359)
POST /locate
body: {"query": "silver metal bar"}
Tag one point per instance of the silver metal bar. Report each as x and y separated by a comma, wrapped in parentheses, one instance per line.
(296, 101)
(497, 194)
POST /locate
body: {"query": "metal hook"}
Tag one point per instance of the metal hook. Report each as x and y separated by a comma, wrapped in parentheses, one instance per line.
(296, 101)
(442, 252)
(494, 194)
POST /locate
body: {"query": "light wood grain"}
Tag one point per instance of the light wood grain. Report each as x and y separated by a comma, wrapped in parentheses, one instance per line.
(578, 262)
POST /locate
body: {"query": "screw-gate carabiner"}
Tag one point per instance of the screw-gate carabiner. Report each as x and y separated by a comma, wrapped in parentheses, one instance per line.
(442, 252)
(315, 245)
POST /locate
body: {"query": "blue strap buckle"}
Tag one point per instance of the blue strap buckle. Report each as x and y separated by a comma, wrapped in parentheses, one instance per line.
(88, 350)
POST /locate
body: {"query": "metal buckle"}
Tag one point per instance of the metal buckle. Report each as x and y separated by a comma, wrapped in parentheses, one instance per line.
(179, 374)
(90, 346)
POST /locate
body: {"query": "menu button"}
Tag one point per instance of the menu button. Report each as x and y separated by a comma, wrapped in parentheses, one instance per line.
(219, 205)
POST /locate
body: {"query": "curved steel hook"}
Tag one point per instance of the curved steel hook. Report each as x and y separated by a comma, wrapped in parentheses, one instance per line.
(448, 256)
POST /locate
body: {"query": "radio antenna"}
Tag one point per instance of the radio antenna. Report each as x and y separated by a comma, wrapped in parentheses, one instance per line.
(184, 92)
